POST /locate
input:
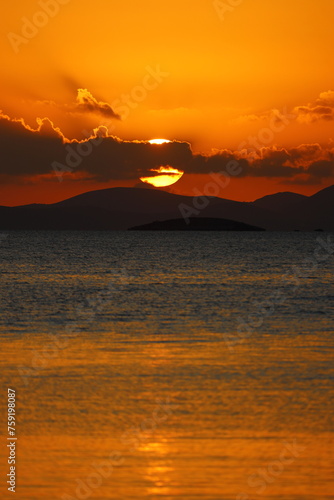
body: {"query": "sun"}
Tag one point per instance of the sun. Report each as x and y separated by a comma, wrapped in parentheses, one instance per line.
(166, 176)
(159, 141)
(163, 176)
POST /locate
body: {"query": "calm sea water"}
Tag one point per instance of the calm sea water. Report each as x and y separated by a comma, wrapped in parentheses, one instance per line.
(168, 365)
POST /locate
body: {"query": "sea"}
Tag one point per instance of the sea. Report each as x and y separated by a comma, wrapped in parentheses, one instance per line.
(168, 365)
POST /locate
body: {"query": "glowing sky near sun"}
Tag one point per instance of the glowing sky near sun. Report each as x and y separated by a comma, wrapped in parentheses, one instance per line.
(184, 71)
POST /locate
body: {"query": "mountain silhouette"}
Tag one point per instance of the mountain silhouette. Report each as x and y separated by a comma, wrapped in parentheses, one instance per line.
(307, 212)
(124, 208)
(278, 201)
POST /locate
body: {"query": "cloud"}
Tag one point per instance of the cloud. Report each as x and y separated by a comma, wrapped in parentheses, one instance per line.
(86, 103)
(321, 109)
(26, 152)
(309, 160)
(306, 153)
(322, 168)
(276, 117)
(326, 99)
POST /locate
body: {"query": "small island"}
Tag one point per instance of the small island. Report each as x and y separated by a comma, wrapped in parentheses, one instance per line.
(196, 224)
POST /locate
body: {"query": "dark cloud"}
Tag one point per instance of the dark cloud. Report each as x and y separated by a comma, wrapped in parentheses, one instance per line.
(24, 151)
(322, 168)
(306, 153)
(27, 152)
(222, 161)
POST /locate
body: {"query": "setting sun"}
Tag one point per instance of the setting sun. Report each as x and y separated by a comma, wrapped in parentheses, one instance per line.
(166, 176)
(159, 141)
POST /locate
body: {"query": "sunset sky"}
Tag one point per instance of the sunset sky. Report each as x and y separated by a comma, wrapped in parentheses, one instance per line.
(246, 81)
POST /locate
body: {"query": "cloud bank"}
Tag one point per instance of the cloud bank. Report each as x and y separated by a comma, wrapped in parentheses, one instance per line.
(321, 109)
(27, 152)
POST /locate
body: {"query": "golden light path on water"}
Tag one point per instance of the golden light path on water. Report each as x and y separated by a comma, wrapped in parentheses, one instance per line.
(128, 386)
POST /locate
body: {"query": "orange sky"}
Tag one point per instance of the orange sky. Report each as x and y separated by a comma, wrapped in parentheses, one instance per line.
(195, 72)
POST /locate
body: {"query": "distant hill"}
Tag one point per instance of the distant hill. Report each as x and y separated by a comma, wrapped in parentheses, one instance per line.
(316, 212)
(277, 202)
(124, 208)
(196, 224)
(308, 212)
